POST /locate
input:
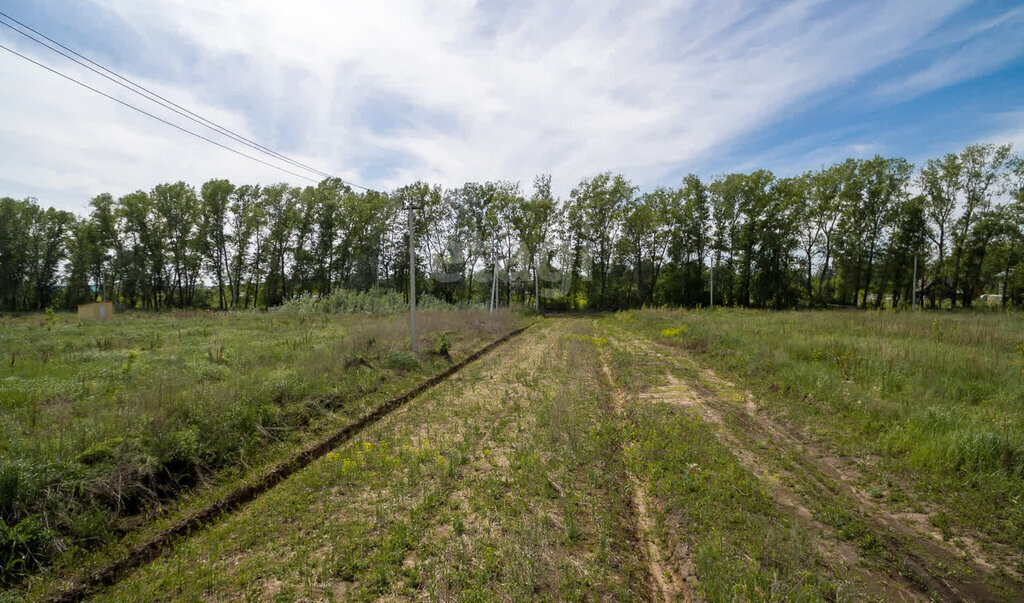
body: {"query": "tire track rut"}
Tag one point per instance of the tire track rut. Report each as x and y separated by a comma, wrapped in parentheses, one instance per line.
(672, 584)
(917, 565)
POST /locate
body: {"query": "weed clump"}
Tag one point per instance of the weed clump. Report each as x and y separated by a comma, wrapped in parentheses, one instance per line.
(443, 346)
(401, 361)
(26, 545)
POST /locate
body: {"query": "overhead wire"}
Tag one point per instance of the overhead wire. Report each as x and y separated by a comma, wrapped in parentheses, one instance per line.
(141, 90)
(148, 114)
(146, 93)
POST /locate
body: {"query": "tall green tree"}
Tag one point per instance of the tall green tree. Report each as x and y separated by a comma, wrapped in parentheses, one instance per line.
(726, 193)
(216, 201)
(776, 240)
(885, 188)
(756, 203)
(279, 204)
(16, 218)
(808, 225)
(689, 212)
(532, 220)
(940, 181)
(107, 247)
(599, 203)
(906, 244)
(142, 244)
(826, 211)
(177, 209)
(49, 249)
(981, 171)
(83, 247)
(645, 237)
(244, 224)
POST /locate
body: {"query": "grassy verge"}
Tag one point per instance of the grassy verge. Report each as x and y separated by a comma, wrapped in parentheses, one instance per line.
(103, 423)
(922, 408)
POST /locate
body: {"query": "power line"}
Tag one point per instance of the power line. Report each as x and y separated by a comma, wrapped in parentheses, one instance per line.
(160, 119)
(141, 90)
(162, 101)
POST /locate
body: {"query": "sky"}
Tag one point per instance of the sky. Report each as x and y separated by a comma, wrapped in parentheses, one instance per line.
(389, 92)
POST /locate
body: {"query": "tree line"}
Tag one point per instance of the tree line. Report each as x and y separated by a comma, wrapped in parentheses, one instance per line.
(851, 234)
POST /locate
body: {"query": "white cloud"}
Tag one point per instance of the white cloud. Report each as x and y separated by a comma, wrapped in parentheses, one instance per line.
(565, 88)
(64, 144)
(978, 51)
(1009, 129)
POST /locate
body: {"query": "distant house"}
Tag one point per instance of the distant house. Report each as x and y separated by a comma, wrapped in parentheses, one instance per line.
(96, 311)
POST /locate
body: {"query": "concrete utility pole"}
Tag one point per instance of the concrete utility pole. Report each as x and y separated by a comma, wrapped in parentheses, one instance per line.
(913, 291)
(412, 279)
(536, 288)
(712, 284)
(494, 277)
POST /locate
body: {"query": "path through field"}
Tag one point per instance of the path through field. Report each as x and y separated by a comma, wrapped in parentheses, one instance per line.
(816, 489)
(504, 481)
(579, 461)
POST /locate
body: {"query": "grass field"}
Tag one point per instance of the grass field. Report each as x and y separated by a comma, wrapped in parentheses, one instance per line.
(931, 406)
(101, 422)
(670, 455)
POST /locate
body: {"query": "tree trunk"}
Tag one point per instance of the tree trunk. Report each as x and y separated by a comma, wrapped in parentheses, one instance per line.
(938, 267)
(810, 293)
(956, 276)
(871, 267)
(220, 284)
(856, 282)
(824, 266)
(682, 279)
(655, 272)
(639, 282)
(748, 264)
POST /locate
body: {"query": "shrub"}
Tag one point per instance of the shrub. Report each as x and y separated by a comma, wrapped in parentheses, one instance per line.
(443, 346)
(374, 303)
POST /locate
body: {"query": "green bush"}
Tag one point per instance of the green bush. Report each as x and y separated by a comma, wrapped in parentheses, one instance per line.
(100, 452)
(443, 346)
(374, 303)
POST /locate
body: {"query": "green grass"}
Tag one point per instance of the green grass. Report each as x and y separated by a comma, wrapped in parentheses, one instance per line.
(101, 422)
(515, 479)
(929, 404)
(503, 484)
(743, 546)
